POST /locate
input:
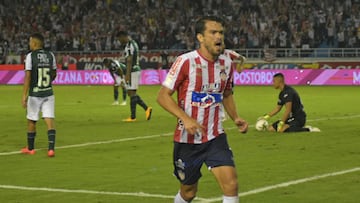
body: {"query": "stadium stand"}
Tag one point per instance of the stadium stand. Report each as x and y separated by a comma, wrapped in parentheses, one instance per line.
(91, 25)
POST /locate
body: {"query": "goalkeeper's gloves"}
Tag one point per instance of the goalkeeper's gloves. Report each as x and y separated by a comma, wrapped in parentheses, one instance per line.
(280, 126)
(266, 117)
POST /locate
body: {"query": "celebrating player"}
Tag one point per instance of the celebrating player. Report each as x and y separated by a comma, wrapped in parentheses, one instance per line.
(203, 81)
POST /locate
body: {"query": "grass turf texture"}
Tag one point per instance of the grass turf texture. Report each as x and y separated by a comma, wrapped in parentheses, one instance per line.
(108, 167)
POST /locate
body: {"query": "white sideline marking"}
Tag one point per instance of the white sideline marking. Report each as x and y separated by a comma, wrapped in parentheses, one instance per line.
(198, 199)
(135, 194)
(335, 118)
(286, 184)
(95, 143)
(155, 136)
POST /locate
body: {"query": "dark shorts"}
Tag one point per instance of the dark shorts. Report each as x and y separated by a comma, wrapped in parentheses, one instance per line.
(188, 158)
(296, 124)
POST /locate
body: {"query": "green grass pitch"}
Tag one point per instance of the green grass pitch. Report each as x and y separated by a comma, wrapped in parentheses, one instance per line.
(100, 159)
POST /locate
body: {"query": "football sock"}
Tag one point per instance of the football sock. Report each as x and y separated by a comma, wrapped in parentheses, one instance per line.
(230, 199)
(133, 102)
(124, 93)
(179, 199)
(141, 102)
(51, 139)
(31, 140)
(116, 94)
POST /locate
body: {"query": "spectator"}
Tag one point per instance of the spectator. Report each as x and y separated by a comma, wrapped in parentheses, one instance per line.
(341, 38)
(93, 22)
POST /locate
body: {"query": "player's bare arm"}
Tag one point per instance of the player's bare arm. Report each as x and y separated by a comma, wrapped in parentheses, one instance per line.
(239, 62)
(229, 104)
(276, 110)
(166, 101)
(129, 62)
(121, 73)
(230, 108)
(288, 106)
(26, 88)
(53, 74)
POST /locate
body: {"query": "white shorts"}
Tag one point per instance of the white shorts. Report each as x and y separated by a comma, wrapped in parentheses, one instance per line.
(44, 104)
(135, 80)
(118, 80)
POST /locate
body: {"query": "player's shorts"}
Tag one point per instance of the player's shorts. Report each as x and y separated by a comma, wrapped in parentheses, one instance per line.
(118, 80)
(135, 80)
(45, 105)
(188, 158)
(296, 124)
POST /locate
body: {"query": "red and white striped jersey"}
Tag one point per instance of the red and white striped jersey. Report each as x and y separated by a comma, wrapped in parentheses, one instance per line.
(231, 54)
(200, 85)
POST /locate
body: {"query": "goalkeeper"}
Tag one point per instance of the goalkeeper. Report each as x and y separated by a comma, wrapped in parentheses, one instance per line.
(294, 117)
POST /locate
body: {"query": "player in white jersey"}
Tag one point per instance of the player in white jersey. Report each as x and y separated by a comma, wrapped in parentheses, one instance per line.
(203, 80)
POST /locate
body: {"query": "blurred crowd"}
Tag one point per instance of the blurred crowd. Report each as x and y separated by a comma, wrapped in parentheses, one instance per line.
(91, 25)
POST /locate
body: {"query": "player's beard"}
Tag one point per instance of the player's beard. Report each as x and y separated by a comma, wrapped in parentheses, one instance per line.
(213, 50)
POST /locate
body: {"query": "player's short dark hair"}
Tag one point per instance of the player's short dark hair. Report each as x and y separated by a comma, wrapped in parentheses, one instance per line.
(106, 61)
(39, 37)
(122, 33)
(200, 23)
(280, 75)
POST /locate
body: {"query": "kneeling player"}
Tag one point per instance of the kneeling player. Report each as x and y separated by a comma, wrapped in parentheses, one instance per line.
(294, 117)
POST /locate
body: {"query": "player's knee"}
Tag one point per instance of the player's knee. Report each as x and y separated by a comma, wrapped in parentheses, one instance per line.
(230, 188)
(32, 123)
(189, 194)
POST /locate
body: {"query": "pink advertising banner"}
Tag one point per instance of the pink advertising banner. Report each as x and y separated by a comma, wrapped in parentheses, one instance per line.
(300, 77)
(155, 77)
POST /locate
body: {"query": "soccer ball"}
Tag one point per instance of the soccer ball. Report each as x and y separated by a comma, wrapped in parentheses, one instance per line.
(261, 125)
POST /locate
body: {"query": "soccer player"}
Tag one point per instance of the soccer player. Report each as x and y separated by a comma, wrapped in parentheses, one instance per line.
(203, 80)
(117, 71)
(132, 75)
(38, 95)
(294, 117)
